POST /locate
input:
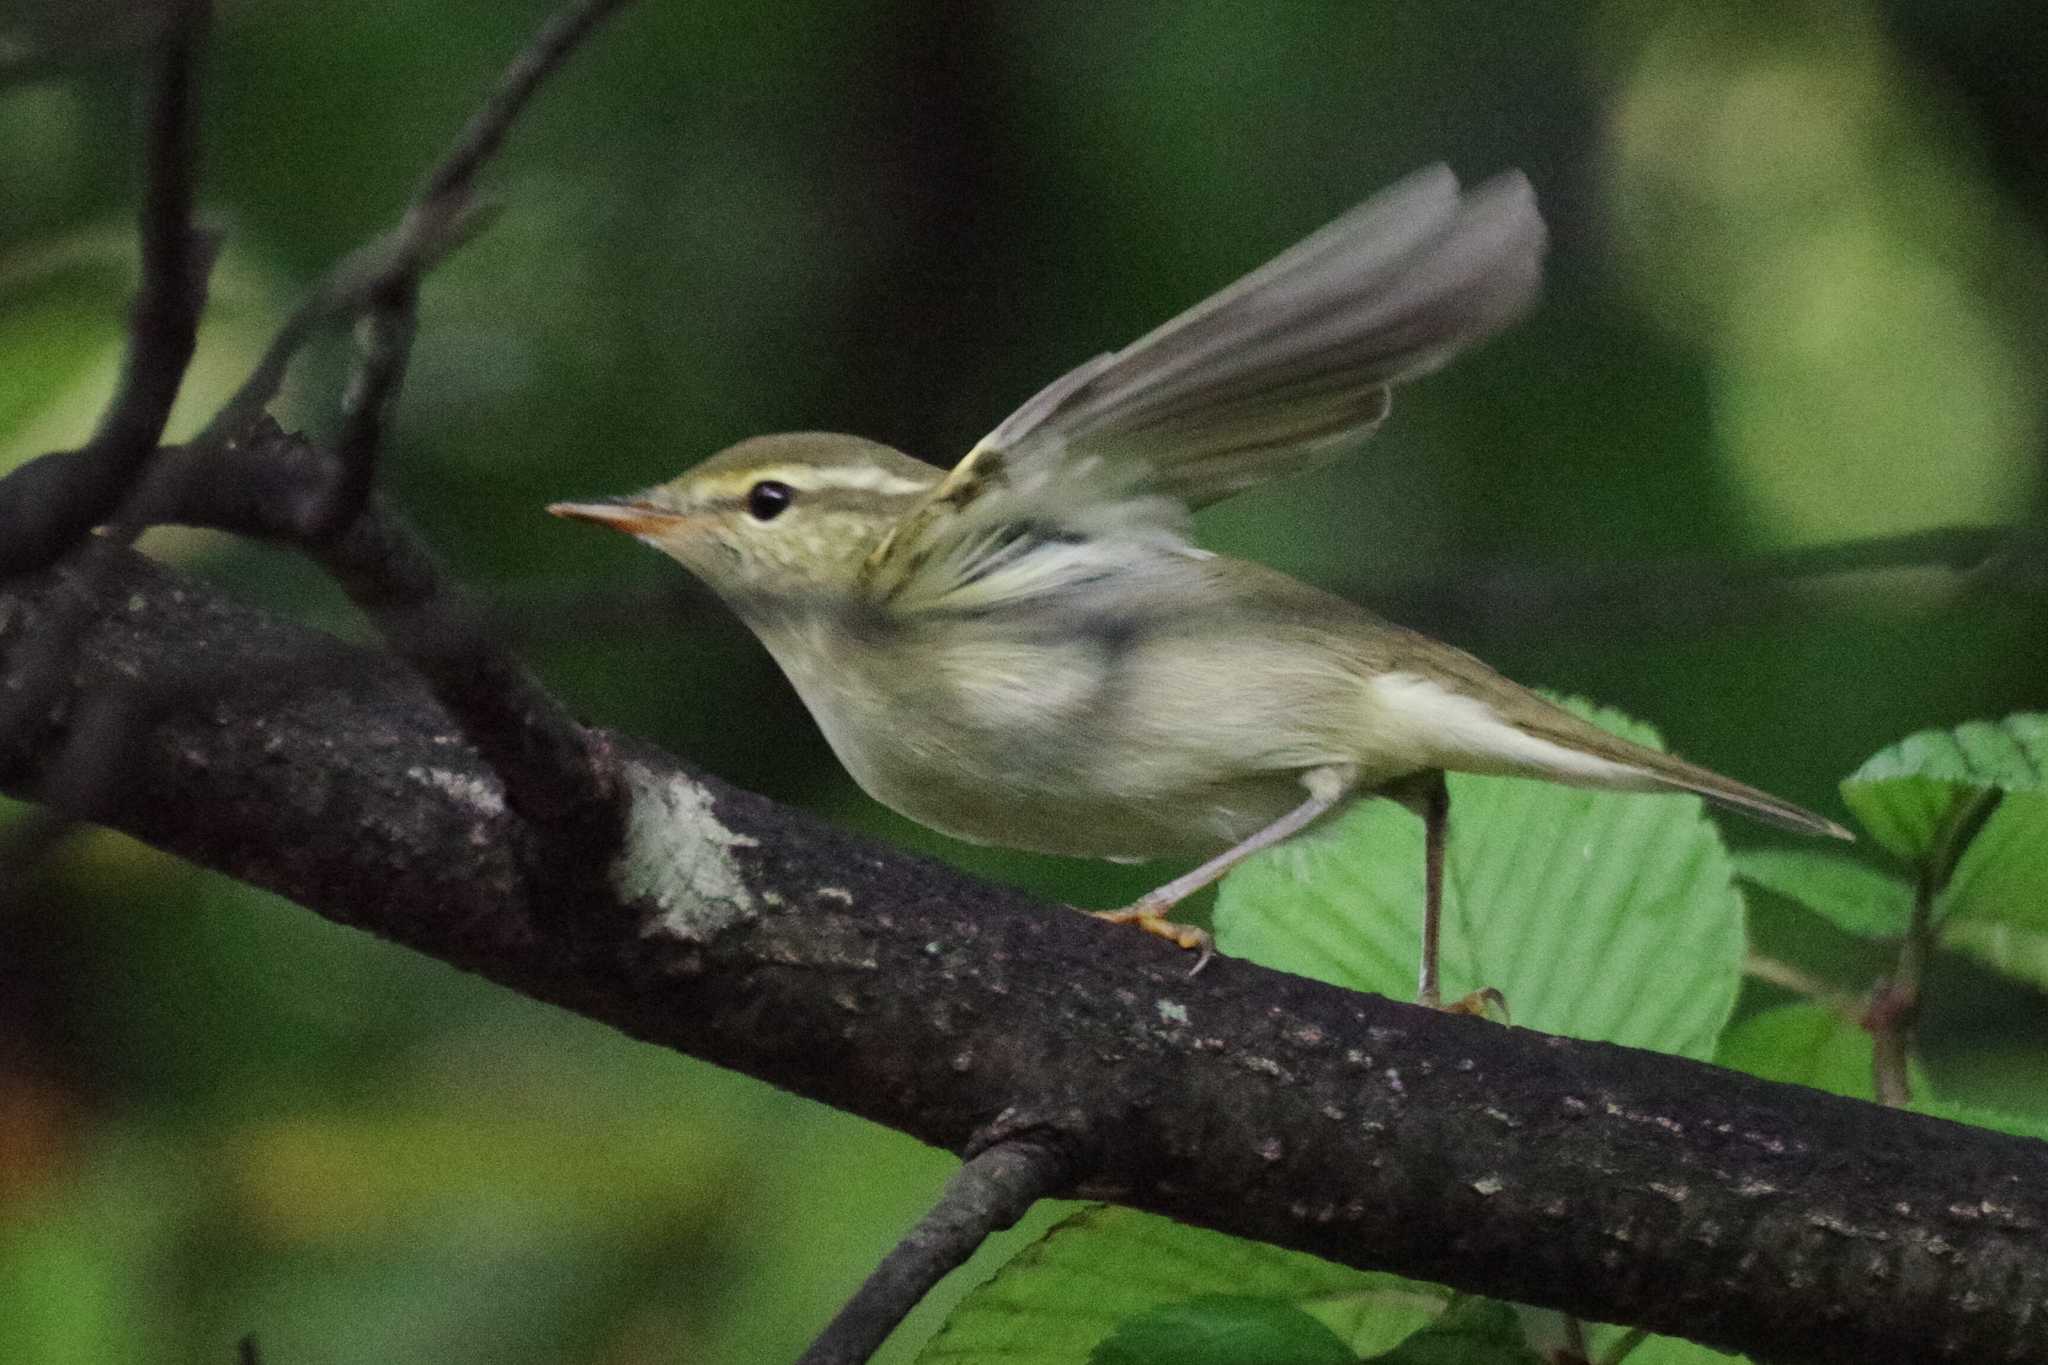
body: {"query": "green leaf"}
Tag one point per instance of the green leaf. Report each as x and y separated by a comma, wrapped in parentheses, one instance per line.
(1597, 914)
(2004, 873)
(1855, 898)
(1076, 1287)
(1223, 1329)
(1656, 1350)
(2009, 949)
(1809, 1044)
(1994, 904)
(1905, 795)
(1805, 1043)
(1473, 1332)
(2019, 1125)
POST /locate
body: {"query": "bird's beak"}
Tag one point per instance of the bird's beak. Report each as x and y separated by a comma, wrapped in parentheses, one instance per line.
(633, 517)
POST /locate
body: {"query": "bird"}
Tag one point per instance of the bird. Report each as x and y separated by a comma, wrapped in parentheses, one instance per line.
(1030, 650)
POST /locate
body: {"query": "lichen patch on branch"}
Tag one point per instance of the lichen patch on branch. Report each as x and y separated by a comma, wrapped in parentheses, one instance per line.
(677, 858)
(479, 794)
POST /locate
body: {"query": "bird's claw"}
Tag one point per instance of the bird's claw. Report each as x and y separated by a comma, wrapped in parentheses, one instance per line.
(1153, 921)
(1486, 1003)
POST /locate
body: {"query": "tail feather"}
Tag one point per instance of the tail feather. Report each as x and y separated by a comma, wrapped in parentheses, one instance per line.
(1677, 774)
(1670, 773)
(1455, 713)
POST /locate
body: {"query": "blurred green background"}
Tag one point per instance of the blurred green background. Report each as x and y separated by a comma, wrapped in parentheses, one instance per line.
(1797, 296)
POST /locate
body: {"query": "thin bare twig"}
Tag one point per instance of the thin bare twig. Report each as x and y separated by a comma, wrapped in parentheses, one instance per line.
(486, 129)
(441, 216)
(321, 501)
(384, 344)
(553, 773)
(415, 245)
(990, 1192)
(47, 504)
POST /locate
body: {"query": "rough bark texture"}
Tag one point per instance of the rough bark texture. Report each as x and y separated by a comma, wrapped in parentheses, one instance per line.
(1616, 1184)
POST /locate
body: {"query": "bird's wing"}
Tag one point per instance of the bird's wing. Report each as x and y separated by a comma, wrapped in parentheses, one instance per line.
(1275, 374)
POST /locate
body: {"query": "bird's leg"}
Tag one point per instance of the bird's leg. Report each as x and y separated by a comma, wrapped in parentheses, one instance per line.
(1326, 786)
(1436, 820)
(1431, 799)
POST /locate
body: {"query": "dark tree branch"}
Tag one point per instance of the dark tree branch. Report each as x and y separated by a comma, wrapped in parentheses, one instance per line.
(48, 503)
(552, 773)
(991, 1191)
(1614, 1184)
(265, 484)
(556, 775)
(277, 486)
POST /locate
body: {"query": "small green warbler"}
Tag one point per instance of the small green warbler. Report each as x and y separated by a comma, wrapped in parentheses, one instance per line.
(1029, 650)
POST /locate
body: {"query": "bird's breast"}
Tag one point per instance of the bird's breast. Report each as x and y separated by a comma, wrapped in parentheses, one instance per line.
(1121, 739)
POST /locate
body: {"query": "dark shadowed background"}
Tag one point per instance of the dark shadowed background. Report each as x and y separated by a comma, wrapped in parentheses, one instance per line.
(1798, 296)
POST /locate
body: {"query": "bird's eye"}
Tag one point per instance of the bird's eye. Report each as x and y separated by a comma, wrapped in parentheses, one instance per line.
(769, 499)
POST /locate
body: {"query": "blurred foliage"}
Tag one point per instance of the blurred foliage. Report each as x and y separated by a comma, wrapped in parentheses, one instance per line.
(1796, 296)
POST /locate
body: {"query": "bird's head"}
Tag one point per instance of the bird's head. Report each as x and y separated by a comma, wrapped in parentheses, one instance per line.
(775, 517)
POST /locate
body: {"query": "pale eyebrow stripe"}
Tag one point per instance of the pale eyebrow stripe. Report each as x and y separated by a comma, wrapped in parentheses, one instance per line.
(855, 477)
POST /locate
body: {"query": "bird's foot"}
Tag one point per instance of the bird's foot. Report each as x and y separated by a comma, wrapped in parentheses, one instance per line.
(1486, 1003)
(1154, 921)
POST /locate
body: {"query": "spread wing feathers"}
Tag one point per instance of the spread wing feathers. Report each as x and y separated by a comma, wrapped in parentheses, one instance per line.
(992, 546)
(1270, 376)
(1284, 368)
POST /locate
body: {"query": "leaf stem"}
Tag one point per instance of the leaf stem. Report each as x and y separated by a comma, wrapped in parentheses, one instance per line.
(1894, 1011)
(1625, 1346)
(1575, 1339)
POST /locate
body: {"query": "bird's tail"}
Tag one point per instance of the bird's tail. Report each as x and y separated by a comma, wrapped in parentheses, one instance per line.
(1655, 770)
